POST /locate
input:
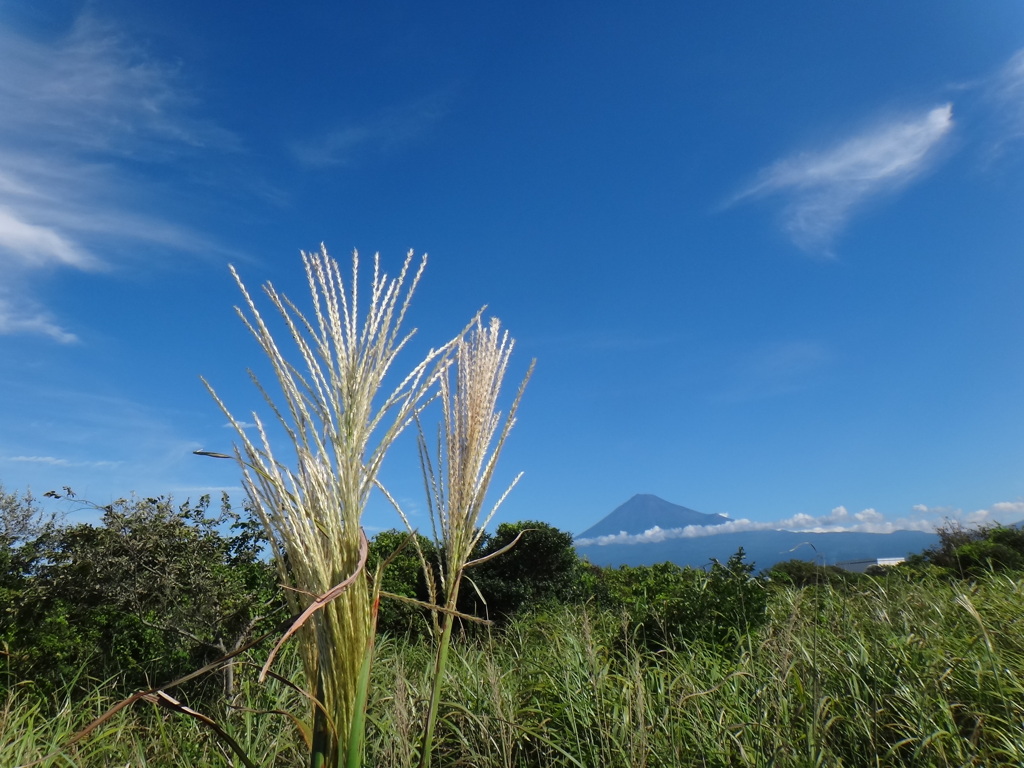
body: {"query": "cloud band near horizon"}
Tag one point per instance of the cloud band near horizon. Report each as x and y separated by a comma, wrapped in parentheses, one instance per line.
(839, 520)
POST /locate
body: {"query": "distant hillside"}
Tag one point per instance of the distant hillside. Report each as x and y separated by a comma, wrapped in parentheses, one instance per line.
(645, 511)
(763, 548)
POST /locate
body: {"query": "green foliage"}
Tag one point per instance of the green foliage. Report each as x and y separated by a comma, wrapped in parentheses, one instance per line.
(541, 567)
(803, 573)
(403, 576)
(1001, 550)
(20, 523)
(151, 592)
(21, 519)
(894, 677)
(970, 552)
(669, 606)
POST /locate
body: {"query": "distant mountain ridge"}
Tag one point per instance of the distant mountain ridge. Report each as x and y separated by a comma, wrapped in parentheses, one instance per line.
(762, 548)
(645, 511)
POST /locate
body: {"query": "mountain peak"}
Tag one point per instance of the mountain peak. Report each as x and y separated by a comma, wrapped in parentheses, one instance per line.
(645, 511)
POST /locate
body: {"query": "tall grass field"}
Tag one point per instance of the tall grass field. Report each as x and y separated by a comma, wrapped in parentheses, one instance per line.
(893, 672)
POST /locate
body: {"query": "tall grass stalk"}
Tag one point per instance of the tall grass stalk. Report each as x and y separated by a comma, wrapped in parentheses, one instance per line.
(339, 432)
(458, 474)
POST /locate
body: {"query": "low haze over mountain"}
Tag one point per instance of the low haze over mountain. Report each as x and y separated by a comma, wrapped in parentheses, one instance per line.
(603, 544)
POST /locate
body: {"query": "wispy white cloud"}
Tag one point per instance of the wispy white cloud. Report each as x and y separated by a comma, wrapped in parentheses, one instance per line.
(58, 462)
(95, 89)
(87, 441)
(242, 424)
(822, 189)
(25, 317)
(74, 108)
(1002, 512)
(1004, 92)
(35, 246)
(1009, 508)
(837, 520)
(381, 134)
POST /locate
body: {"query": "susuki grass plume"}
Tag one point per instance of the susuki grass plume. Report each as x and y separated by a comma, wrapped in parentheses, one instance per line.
(338, 432)
(458, 473)
(472, 436)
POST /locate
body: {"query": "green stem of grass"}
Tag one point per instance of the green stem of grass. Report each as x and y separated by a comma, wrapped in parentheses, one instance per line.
(440, 664)
(357, 734)
(322, 741)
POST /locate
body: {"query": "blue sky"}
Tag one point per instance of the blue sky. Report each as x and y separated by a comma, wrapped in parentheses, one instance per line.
(769, 258)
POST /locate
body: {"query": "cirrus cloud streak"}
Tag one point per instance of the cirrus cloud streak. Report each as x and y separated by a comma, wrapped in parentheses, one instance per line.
(76, 107)
(822, 189)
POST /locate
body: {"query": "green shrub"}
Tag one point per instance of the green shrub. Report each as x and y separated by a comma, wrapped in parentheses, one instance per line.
(541, 568)
(669, 606)
(149, 593)
(969, 552)
(403, 577)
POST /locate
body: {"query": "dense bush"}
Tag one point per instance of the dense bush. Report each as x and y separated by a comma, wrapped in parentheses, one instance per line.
(150, 592)
(542, 567)
(401, 574)
(669, 606)
(971, 552)
(154, 590)
(20, 523)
